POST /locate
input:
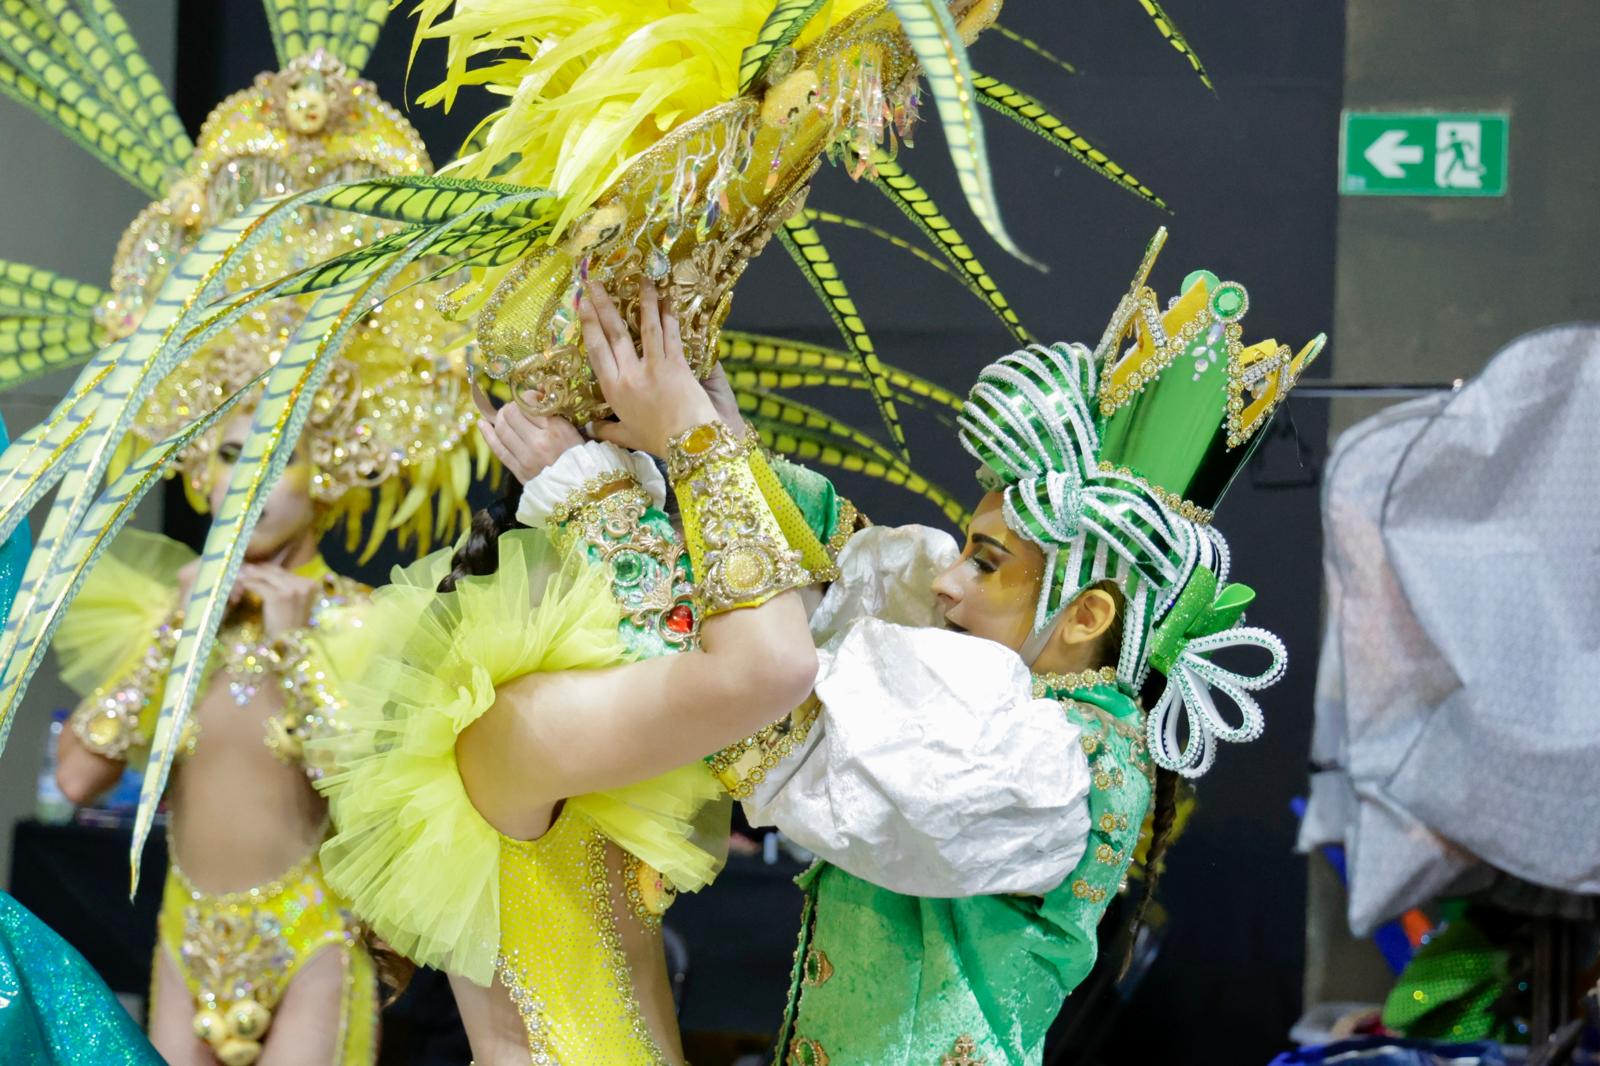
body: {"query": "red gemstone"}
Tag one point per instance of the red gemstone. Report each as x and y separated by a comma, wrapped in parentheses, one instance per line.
(680, 619)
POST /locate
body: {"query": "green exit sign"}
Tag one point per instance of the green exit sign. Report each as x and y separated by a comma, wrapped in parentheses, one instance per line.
(1397, 153)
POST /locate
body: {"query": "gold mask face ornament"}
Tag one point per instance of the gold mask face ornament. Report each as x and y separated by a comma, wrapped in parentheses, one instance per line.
(306, 105)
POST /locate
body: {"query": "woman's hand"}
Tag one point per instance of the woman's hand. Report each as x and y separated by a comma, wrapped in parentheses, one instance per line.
(722, 398)
(654, 396)
(286, 598)
(527, 444)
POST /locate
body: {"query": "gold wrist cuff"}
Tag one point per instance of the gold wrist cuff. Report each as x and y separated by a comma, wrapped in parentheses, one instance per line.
(588, 494)
(742, 766)
(108, 726)
(738, 551)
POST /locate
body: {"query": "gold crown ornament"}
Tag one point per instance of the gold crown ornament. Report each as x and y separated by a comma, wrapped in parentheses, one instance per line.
(701, 129)
(691, 210)
(1182, 401)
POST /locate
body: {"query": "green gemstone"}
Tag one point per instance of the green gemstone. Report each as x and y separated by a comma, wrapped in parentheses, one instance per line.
(1228, 301)
(627, 568)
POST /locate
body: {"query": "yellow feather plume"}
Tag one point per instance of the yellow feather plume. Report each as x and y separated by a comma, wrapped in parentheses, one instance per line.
(595, 83)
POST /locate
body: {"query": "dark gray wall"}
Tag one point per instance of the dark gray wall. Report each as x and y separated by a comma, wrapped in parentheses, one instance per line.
(1433, 287)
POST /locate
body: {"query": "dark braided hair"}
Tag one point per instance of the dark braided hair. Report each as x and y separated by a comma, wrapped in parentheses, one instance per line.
(395, 971)
(1163, 815)
(1164, 795)
(479, 553)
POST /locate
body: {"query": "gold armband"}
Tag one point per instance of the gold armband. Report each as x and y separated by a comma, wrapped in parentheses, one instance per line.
(814, 555)
(737, 547)
(111, 721)
(742, 766)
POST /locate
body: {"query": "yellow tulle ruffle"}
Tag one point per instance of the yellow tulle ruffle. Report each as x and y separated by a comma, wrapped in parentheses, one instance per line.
(130, 592)
(410, 852)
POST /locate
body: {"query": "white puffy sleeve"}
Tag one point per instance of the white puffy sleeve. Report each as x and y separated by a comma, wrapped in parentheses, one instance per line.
(928, 768)
(885, 572)
(579, 473)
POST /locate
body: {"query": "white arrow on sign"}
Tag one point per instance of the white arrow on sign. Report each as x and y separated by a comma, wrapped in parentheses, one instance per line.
(1389, 153)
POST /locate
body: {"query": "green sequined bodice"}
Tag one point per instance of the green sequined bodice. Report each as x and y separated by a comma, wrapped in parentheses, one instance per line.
(884, 979)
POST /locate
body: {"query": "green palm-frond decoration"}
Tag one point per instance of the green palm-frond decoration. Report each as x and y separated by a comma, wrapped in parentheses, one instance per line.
(1033, 46)
(356, 42)
(1173, 36)
(281, 412)
(75, 62)
(830, 218)
(795, 414)
(139, 91)
(788, 18)
(933, 36)
(47, 322)
(805, 444)
(29, 460)
(815, 215)
(914, 202)
(818, 365)
(487, 246)
(299, 27)
(31, 348)
(745, 379)
(345, 28)
(50, 592)
(432, 199)
(1031, 115)
(34, 291)
(805, 247)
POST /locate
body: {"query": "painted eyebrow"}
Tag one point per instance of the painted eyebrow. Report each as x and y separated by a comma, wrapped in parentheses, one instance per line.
(984, 538)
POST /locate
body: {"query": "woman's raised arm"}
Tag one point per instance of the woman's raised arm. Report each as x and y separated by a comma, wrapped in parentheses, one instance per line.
(587, 731)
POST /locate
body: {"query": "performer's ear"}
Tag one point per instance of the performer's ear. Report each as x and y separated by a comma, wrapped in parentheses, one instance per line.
(1087, 619)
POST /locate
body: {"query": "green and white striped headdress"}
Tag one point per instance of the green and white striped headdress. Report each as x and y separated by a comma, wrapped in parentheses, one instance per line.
(1031, 420)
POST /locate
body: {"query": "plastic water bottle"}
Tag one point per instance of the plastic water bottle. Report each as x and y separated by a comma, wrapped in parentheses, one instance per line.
(52, 806)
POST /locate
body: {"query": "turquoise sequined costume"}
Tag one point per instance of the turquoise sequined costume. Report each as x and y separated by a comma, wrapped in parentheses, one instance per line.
(54, 1009)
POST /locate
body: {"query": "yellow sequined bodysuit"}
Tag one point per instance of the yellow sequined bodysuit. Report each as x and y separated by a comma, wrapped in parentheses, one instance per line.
(564, 899)
(555, 920)
(236, 952)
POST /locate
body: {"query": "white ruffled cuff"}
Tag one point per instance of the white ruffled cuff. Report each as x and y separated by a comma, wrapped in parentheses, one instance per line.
(580, 472)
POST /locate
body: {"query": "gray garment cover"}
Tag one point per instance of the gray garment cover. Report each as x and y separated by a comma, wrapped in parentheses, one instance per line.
(1462, 557)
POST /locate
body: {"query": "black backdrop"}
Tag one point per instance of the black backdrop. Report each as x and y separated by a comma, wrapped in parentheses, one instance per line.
(1250, 176)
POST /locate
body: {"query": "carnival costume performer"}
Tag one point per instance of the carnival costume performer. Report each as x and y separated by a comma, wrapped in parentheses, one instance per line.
(975, 803)
(514, 806)
(254, 949)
